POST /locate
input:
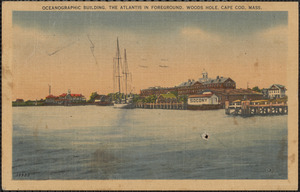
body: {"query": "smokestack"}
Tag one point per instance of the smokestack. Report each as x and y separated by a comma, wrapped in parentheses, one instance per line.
(49, 89)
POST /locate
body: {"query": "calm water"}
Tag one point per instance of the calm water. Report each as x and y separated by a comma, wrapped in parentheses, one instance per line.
(92, 142)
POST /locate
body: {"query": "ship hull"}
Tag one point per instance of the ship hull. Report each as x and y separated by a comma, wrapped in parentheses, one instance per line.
(124, 105)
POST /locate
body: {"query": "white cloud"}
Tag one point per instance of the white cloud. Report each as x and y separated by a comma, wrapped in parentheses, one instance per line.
(199, 34)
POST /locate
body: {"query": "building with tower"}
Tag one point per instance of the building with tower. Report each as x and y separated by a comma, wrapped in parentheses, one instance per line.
(192, 87)
(65, 98)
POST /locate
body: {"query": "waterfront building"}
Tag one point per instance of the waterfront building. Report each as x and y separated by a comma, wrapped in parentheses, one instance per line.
(72, 98)
(103, 100)
(236, 94)
(276, 91)
(206, 98)
(65, 98)
(51, 99)
(192, 87)
(100, 98)
(19, 101)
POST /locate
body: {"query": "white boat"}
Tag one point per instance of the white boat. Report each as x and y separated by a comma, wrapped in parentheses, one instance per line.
(124, 105)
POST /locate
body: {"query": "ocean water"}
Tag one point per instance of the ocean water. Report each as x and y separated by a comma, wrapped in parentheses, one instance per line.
(93, 142)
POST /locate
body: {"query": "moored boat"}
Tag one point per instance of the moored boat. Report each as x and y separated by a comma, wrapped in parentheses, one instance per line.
(127, 102)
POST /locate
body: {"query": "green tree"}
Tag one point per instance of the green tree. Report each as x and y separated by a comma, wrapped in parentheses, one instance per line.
(183, 98)
(256, 89)
(174, 93)
(116, 96)
(110, 96)
(136, 98)
(150, 99)
(93, 96)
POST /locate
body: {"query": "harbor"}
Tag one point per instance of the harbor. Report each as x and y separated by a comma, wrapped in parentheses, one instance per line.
(204, 93)
(117, 97)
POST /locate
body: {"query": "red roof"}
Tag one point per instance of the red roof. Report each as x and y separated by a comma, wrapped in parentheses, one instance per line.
(76, 95)
(51, 96)
(72, 95)
(63, 95)
(203, 95)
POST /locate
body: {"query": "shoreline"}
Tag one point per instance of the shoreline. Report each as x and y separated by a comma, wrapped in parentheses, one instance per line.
(46, 105)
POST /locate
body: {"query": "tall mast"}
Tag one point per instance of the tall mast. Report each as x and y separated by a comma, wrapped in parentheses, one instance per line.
(118, 57)
(126, 71)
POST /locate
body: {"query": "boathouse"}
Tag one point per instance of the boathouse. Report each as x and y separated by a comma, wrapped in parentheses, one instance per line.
(206, 98)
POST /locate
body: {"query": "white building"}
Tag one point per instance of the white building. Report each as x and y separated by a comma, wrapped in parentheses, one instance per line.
(276, 91)
(51, 99)
(206, 98)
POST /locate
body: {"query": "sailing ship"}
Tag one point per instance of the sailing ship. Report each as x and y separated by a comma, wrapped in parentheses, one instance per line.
(127, 101)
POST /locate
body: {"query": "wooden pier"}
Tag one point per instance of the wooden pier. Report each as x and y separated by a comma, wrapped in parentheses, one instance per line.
(176, 106)
(249, 108)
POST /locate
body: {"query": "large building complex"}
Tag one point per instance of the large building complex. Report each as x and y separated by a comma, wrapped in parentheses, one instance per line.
(192, 87)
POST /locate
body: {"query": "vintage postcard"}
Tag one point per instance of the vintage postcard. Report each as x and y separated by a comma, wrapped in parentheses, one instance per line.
(150, 96)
